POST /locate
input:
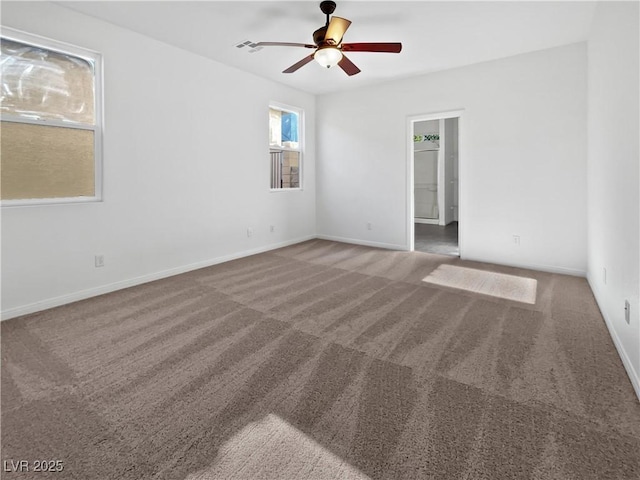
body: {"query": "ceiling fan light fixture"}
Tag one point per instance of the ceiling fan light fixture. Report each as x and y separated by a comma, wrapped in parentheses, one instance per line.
(328, 56)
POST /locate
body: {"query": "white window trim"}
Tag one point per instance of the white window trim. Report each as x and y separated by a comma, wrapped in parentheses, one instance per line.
(301, 134)
(95, 59)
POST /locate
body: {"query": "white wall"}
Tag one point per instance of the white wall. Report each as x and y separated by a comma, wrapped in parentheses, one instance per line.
(450, 176)
(186, 171)
(522, 158)
(613, 173)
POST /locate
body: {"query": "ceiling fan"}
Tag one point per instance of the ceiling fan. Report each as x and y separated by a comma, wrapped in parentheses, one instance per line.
(329, 49)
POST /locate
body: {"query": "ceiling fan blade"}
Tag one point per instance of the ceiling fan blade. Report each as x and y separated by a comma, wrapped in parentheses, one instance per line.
(301, 63)
(284, 44)
(372, 47)
(348, 66)
(335, 30)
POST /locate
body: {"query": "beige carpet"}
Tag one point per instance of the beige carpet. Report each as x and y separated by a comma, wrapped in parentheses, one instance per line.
(321, 360)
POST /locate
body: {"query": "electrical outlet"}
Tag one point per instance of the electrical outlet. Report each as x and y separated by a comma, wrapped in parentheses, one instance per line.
(516, 240)
(272, 228)
(604, 275)
(627, 311)
(249, 232)
(369, 226)
(99, 261)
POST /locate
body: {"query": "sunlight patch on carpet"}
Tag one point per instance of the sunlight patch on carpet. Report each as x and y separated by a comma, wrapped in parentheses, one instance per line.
(509, 287)
(273, 448)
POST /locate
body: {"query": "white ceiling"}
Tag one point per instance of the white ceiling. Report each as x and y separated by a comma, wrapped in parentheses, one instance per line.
(435, 35)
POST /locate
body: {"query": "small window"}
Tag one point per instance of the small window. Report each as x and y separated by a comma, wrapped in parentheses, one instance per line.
(50, 125)
(285, 147)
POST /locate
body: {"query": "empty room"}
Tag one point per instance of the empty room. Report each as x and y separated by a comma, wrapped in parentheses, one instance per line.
(320, 240)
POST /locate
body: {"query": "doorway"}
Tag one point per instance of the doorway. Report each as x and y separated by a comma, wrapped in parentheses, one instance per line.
(434, 183)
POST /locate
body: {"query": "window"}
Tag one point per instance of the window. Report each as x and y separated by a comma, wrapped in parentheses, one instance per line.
(50, 121)
(285, 147)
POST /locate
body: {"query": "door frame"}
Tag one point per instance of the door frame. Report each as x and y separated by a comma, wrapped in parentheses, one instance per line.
(410, 200)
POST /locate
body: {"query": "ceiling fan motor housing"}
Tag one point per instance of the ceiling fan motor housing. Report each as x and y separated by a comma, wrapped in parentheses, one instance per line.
(318, 35)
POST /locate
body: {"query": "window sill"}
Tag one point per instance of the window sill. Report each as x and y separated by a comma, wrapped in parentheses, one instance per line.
(278, 148)
(41, 202)
(299, 189)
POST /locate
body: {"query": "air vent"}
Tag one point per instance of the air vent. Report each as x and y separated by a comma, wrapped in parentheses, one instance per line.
(248, 46)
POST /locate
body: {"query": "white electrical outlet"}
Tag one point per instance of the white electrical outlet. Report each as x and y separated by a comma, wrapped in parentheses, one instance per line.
(516, 239)
(249, 232)
(369, 226)
(99, 261)
(272, 228)
(627, 311)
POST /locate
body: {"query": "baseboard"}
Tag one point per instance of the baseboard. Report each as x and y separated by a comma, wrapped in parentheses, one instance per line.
(132, 282)
(366, 243)
(531, 266)
(628, 366)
